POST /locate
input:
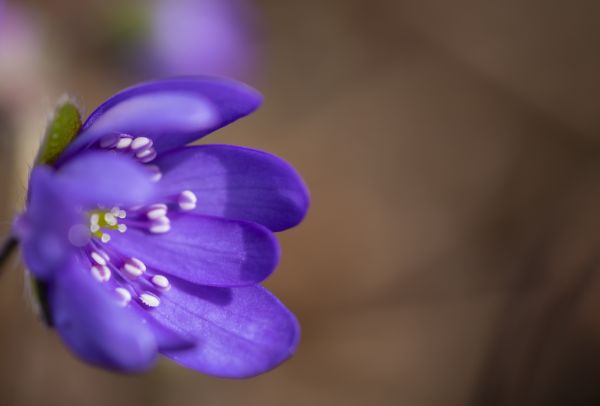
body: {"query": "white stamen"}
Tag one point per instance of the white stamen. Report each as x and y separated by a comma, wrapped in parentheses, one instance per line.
(94, 228)
(147, 157)
(134, 267)
(138, 263)
(149, 299)
(104, 255)
(94, 219)
(161, 281)
(162, 220)
(105, 238)
(124, 142)
(187, 200)
(156, 173)
(156, 211)
(122, 214)
(122, 228)
(144, 153)
(99, 259)
(101, 273)
(132, 270)
(110, 219)
(141, 142)
(160, 228)
(125, 295)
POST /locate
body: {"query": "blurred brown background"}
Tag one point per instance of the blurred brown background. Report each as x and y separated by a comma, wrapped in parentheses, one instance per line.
(450, 256)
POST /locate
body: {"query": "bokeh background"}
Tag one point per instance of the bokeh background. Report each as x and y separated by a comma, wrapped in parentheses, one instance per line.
(452, 150)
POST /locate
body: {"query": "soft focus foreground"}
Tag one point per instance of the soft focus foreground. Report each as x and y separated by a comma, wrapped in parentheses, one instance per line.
(449, 257)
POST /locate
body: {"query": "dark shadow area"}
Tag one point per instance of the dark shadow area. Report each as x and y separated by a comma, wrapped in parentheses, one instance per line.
(217, 296)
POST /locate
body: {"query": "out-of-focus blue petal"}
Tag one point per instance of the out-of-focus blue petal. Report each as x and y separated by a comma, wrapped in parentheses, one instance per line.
(94, 326)
(209, 37)
(54, 224)
(171, 112)
(44, 227)
(205, 250)
(105, 178)
(237, 183)
(241, 332)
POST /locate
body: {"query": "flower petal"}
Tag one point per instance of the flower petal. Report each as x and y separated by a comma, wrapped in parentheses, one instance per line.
(171, 112)
(95, 327)
(205, 250)
(105, 179)
(237, 183)
(166, 338)
(44, 227)
(241, 332)
(53, 226)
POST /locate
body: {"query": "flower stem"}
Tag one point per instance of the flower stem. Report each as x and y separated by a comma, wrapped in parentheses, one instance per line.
(7, 248)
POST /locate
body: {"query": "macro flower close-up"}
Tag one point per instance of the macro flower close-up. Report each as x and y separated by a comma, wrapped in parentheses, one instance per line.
(140, 244)
(309, 203)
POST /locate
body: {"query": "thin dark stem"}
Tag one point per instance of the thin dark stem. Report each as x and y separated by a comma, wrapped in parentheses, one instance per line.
(7, 248)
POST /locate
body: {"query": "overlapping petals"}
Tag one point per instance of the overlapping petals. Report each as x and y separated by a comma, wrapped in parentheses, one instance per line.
(51, 228)
(237, 183)
(130, 268)
(172, 112)
(232, 341)
(41, 231)
(95, 327)
(205, 250)
(107, 180)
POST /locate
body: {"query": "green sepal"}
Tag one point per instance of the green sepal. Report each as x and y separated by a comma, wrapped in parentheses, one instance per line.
(63, 127)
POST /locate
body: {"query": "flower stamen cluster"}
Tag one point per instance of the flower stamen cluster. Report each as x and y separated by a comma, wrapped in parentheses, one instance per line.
(138, 147)
(100, 220)
(128, 277)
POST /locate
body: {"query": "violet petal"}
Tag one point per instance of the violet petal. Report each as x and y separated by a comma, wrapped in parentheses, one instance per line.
(95, 327)
(171, 112)
(98, 178)
(43, 228)
(205, 250)
(237, 183)
(241, 332)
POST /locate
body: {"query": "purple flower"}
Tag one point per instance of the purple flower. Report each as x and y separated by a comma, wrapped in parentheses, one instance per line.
(213, 37)
(143, 245)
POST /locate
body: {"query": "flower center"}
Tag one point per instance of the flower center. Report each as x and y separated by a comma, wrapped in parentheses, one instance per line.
(128, 277)
(102, 220)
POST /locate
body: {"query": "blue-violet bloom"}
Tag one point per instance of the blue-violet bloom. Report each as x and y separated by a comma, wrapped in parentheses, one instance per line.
(141, 244)
(207, 37)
